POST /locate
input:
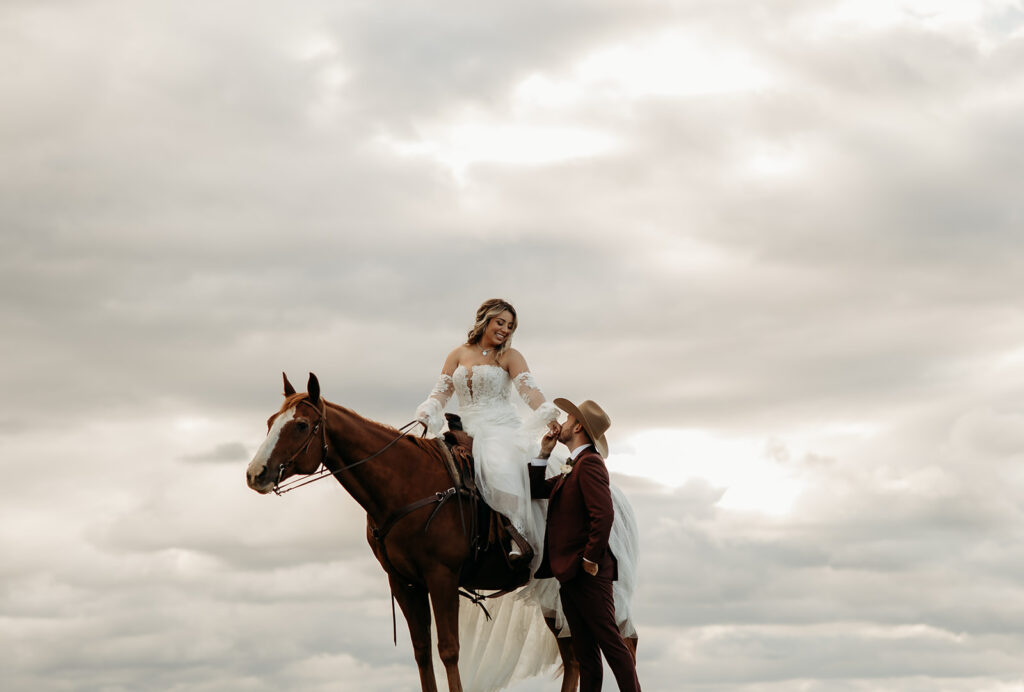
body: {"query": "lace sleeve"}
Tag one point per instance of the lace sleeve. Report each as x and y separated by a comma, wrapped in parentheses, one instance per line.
(534, 398)
(430, 410)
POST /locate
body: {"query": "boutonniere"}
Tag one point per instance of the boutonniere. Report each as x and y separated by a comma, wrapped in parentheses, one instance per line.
(566, 468)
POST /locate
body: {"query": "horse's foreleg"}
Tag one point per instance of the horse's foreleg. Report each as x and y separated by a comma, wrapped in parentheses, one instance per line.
(444, 594)
(570, 667)
(416, 607)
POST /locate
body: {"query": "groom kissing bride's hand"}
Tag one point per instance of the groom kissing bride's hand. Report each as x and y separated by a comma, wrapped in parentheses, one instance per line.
(550, 439)
(576, 551)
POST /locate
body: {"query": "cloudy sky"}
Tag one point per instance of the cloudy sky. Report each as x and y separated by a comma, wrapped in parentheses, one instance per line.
(780, 242)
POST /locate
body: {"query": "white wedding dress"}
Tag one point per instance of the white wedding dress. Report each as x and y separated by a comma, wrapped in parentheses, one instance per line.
(515, 643)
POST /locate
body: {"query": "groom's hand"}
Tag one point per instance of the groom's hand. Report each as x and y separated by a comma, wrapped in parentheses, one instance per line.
(547, 443)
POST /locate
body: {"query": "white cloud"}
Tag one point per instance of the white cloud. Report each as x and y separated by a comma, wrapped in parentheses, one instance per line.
(462, 142)
(664, 64)
(752, 480)
(672, 64)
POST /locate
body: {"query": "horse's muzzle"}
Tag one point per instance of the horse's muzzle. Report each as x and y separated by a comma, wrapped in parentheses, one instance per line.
(258, 481)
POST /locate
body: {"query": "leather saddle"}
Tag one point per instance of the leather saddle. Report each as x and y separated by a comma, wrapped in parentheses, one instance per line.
(489, 531)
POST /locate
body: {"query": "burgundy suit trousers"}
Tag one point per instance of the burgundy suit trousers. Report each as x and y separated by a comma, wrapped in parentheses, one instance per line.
(590, 611)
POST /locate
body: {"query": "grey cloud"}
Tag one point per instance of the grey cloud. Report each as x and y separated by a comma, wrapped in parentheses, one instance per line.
(226, 452)
(470, 49)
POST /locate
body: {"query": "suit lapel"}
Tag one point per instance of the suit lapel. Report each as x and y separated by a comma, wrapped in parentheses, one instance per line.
(565, 476)
(559, 483)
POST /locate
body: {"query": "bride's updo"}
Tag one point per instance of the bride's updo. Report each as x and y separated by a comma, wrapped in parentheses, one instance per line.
(488, 310)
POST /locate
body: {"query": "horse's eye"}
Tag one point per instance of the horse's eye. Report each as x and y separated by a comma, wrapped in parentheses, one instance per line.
(302, 425)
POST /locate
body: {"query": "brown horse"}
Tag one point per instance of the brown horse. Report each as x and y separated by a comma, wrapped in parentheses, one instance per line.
(415, 528)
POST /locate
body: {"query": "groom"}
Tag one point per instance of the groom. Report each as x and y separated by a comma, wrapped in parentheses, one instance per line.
(576, 543)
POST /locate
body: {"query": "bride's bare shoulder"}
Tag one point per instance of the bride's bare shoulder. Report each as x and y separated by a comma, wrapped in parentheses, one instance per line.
(513, 361)
(454, 358)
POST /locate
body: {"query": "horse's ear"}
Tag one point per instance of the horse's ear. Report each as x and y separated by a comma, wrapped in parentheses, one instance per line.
(288, 388)
(313, 387)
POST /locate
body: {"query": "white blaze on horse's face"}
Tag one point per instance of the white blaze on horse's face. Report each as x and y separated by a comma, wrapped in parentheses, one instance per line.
(259, 462)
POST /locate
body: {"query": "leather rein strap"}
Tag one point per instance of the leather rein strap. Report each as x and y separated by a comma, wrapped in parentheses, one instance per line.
(323, 471)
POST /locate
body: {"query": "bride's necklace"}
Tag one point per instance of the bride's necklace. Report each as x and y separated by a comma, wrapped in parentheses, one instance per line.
(485, 351)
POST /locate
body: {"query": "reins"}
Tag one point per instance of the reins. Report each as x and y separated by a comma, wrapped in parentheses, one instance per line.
(323, 471)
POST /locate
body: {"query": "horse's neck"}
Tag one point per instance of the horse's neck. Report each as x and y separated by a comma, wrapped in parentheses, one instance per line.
(382, 484)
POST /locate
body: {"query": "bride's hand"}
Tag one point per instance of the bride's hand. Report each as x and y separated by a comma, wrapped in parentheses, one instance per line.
(547, 443)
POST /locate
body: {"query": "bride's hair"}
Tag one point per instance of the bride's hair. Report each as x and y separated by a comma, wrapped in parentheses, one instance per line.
(490, 309)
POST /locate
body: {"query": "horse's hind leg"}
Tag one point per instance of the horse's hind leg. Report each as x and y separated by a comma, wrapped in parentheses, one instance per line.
(444, 594)
(416, 607)
(570, 667)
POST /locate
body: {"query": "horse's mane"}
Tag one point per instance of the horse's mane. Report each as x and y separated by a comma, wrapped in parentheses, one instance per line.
(428, 446)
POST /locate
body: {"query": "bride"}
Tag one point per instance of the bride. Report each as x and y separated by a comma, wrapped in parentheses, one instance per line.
(482, 373)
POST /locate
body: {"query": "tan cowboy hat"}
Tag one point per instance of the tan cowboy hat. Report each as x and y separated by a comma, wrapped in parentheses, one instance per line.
(593, 419)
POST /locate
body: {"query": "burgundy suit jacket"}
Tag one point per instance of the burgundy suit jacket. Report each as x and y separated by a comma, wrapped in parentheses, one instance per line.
(580, 517)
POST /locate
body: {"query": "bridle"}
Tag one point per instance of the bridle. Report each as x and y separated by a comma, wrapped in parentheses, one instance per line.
(322, 471)
(320, 427)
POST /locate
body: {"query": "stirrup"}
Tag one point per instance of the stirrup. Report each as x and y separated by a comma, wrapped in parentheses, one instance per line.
(520, 551)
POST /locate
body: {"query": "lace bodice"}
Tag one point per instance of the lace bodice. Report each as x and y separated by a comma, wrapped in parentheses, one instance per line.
(484, 388)
(481, 385)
